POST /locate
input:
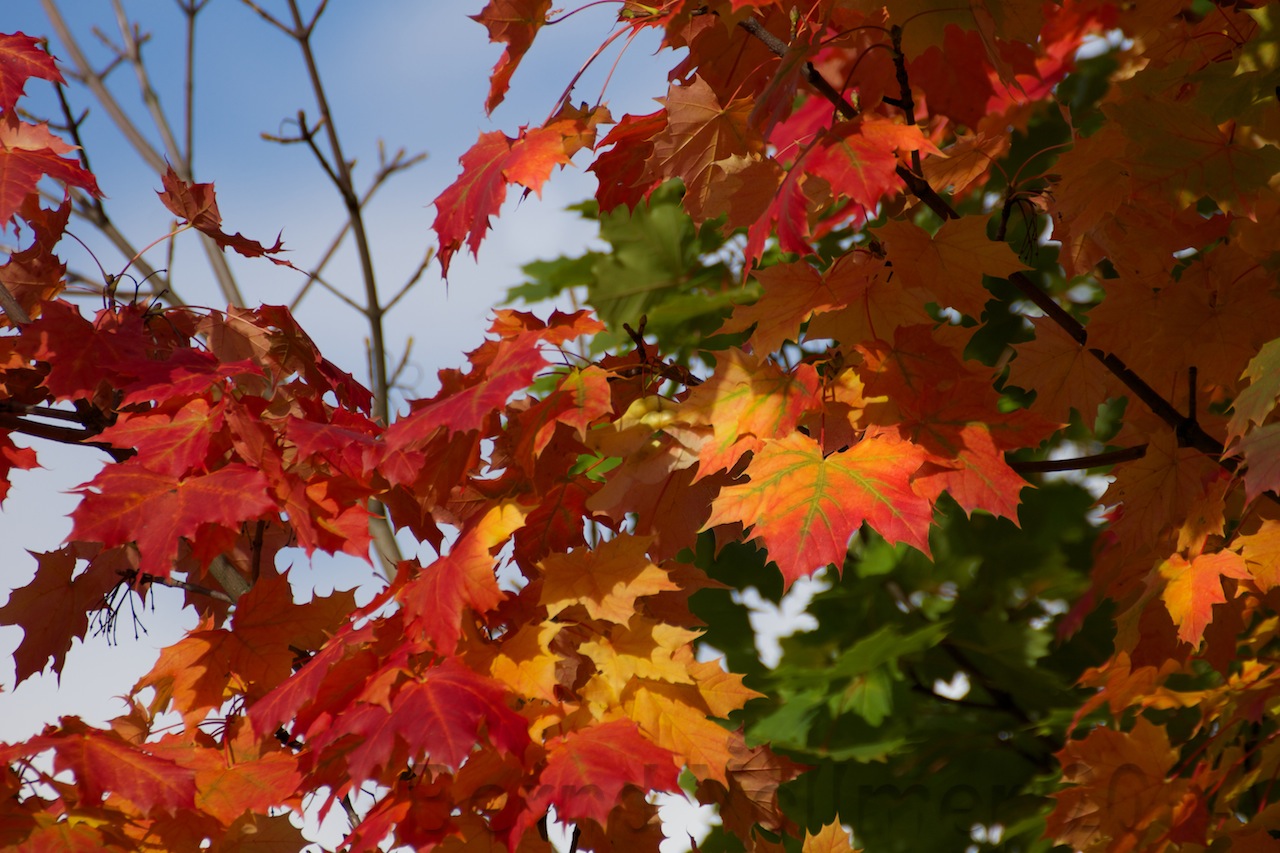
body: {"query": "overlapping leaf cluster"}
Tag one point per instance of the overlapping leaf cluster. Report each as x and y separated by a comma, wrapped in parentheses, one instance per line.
(900, 370)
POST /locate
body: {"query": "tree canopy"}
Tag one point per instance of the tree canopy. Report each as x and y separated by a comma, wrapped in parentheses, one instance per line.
(872, 277)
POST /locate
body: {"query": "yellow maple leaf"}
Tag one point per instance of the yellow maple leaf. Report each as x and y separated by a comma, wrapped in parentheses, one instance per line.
(606, 581)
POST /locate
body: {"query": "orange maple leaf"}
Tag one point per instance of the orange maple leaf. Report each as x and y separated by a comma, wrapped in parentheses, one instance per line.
(805, 507)
(1193, 586)
(832, 838)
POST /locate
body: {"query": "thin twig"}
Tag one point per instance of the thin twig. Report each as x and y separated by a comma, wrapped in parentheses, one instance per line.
(385, 170)
(95, 81)
(413, 279)
(187, 586)
(133, 52)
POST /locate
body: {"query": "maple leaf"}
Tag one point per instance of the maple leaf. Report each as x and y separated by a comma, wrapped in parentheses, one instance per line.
(804, 508)
(197, 204)
(788, 211)
(1261, 552)
(526, 663)
(1252, 405)
(587, 770)
(957, 76)
(104, 763)
(961, 164)
(952, 262)
(700, 133)
(832, 838)
(83, 354)
(20, 60)
(54, 609)
(436, 602)
(674, 717)
(11, 457)
(1193, 586)
(1061, 371)
(606, 581)
(871, 302)
(745, 403)
(1119, 787)
(976, 476)
(1178, 149)
(29, 152)
(1261, 451)
(243, 777)
(751, 795)
(791, 294)
(131, 503)
(621, 169)
(440, 715)
(515, 22)
(35, 275)
(1164, 484)
(859, 159)
(169, 442)
(643, 649)
(496, 160)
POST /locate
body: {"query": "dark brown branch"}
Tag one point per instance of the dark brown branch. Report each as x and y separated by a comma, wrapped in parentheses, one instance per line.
(904, 89)
(1190, 433)
(779, 48)
(12, 420)
(1080, 463)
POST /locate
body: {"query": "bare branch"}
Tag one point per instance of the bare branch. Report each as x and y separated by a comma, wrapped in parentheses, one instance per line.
(185, 585)
(133, 52)
(413, 279)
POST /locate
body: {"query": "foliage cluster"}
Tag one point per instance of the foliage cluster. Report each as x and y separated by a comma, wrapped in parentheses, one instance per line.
(875, 272)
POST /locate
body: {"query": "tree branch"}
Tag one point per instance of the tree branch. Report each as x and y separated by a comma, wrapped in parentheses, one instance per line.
(779, 48)
(1079, 463)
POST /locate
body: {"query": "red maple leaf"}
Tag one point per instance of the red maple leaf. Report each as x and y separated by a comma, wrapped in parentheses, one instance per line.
(131, 503)
(511, 370)
(587, 770)
(173, 443)
(103, 762)
(496, 160)
(197, 205)
(440, 715)
(621, 170)
(83, 354)
(35, 275)
(435, 602)
(29, 152)
(12, 456)
(515, 22)
(1195, 586)
(859, 158)
(20, 60)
